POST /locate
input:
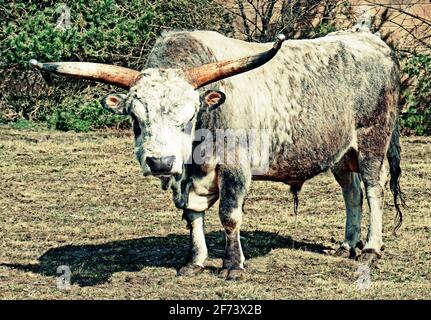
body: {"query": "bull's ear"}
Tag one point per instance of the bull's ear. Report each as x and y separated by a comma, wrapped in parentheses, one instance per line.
(211, 99)
(115, 103)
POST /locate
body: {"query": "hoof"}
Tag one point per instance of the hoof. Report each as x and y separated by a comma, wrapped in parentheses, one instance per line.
(345, 253)
(369, 256)
(231, 273)
(190, 270)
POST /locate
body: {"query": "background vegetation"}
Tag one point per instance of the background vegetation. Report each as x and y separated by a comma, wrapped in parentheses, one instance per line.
(107, 31)
(122, 33)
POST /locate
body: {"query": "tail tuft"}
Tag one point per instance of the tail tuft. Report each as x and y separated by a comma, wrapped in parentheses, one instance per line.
(394, 158)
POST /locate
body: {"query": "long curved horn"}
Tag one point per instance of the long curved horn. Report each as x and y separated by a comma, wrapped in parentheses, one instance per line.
(211, 72)
(115, 75)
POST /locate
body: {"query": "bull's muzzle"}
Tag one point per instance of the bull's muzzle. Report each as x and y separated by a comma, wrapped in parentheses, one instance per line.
(160, 166)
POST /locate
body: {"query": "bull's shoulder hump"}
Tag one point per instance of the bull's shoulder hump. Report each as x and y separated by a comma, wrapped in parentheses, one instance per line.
(178, 49)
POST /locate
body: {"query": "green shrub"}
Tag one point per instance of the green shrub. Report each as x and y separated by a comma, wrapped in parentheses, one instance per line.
(22, 124)
(119, 32)
(416, 94)
(324, 28)
(81, 116)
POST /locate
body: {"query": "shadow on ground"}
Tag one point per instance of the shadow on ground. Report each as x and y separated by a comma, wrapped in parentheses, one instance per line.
(94, 264)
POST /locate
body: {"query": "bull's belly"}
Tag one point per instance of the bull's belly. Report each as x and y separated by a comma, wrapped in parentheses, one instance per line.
(295, 168)
(291, 174)
(287, 177)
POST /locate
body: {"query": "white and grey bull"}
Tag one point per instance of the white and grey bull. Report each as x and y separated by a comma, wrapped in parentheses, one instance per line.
(327, 103)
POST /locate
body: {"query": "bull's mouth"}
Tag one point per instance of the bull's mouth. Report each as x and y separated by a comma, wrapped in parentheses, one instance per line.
(162, 174)
(158, 174)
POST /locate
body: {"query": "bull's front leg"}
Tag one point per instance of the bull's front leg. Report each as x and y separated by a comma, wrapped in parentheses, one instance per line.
(234, 185)
(198, 251)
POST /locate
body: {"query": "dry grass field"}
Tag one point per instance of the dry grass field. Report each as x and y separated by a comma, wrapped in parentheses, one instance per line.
(80, 200)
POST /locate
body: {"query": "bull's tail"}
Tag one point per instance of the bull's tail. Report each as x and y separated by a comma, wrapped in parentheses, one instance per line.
(394, 158)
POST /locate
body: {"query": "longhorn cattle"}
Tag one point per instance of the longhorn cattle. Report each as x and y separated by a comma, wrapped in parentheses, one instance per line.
(329, 103)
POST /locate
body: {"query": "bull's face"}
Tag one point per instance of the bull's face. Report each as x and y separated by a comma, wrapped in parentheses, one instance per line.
(163, 107)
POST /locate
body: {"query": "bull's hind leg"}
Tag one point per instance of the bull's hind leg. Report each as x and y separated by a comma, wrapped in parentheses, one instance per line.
(374, 137)
(352, 193)
(234, 185)
(198, 251)
(373, 144)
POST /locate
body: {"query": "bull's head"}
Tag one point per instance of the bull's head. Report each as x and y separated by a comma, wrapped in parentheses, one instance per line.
(162, 102)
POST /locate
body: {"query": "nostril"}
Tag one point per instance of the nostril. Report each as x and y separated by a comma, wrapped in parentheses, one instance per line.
(151, 161)
(170, 161)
